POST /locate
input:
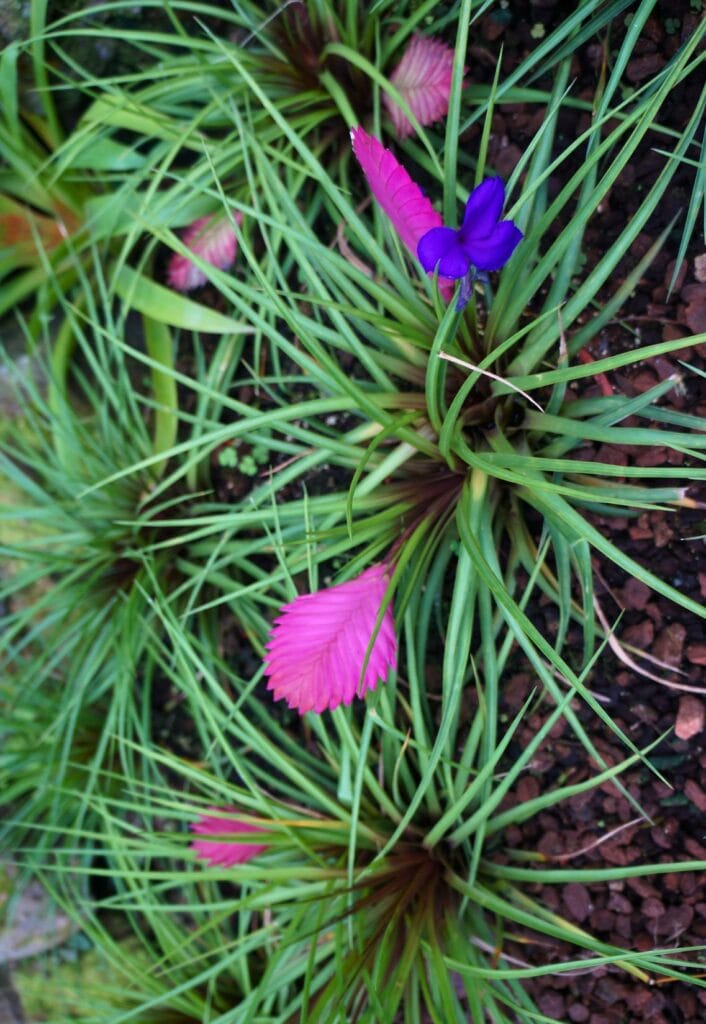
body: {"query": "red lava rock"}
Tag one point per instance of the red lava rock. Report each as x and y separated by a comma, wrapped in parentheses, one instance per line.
(651, 457)
(691, 713)
(695, 793)
(670, 332)
(639, 635)
(619, 903)
(686, 1001)
(665, 367)
(643, 380)
(641, 244)
(640, 68)
(669, 271)
(517, 689)
(635, 594)
(640, 532)
(577, 900)
(661, 838)
(676, 920)
(696, 654)
(614, 853)
(655, 613)
(662, 533)
(702, 583)
(578, 1013)
(669, 645)
(638, 999)
(695, 310)
(609, 990)
(551, 844)
(689, 883)
(643, 942)
(641, 886)
(694, 848)
(552, 1004)
(507, 159)
(700, 268)
(602, 920)
(652, 907)
(612, 455)
(527, 788)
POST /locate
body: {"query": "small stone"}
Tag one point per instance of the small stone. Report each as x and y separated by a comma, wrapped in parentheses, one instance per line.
(670, 332)
(639, 635)
(528, 788)
(694, 848)
(700, 268)
(676, 920)
(577, 900)
(552, 1005)
(635, 594)
(578, 1013)
(641, 68)
(694, 792)
(681, 274)
(695, 310)
(691, 713)
(696, 654)
(602, 920)
(669, 645)
(652, 907)
(662, 533)
(619, 903)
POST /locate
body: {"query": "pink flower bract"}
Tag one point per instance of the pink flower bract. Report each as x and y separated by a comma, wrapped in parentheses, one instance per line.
(410, 211)
(423, 77)
(224, 852)
(317, 645)
(214, 240)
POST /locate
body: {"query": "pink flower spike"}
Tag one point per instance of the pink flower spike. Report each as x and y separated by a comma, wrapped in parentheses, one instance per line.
(410, 211)
(214, 240)
(223, 851)
(423, 77)
(317, 645)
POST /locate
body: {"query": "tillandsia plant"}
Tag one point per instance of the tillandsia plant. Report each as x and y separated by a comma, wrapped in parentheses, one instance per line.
(284, 881)
(414, 494)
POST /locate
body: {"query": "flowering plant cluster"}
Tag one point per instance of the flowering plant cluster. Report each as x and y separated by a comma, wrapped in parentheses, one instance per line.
(307, 457)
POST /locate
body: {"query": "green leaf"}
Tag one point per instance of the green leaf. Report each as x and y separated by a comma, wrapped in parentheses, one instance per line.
(168, 307)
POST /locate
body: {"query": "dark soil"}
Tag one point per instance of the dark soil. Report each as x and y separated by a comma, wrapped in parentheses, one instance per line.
(598, 829)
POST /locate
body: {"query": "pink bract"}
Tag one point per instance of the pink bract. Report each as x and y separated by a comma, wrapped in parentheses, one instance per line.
(317, 646)
(410, 211)
(423, 77)
(224, 852)
(214, 240)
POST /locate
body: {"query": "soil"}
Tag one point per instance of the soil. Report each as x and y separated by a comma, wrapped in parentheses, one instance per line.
(601, 828)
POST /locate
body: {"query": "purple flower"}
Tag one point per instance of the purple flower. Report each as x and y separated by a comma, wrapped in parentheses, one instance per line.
(483, 242)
